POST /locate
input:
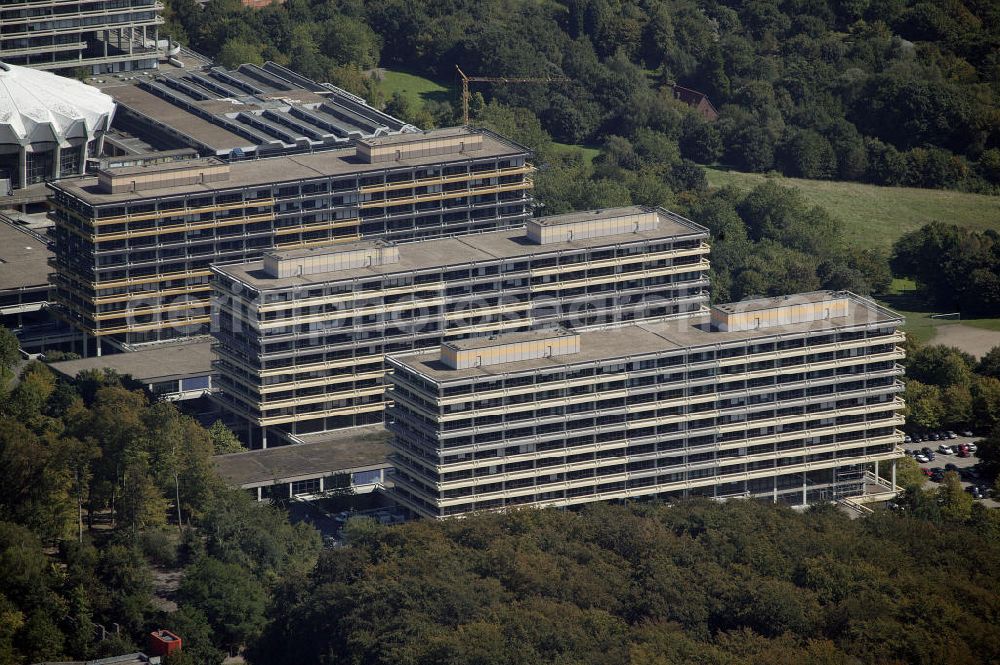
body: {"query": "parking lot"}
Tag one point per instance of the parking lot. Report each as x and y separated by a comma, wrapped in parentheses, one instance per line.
(961, 462)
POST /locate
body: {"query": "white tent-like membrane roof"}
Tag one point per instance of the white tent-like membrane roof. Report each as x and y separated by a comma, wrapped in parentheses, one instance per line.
(40, 107)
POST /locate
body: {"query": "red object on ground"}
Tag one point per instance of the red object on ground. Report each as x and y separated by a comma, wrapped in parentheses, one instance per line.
(163, 643)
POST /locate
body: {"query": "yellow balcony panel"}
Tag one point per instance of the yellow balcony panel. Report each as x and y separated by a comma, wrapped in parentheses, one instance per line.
(439, 196)
(325, 397)
(176, 212)
(317, 226)
(303, 383)
(619, 261)
(183, 228)
(152, 279)
(293, 244)
(313, 415)
(155, 325)
(440, 180)
(142, 311)
(196, 288)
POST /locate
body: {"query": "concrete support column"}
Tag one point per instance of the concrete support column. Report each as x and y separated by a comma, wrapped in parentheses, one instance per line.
(320, 484)
(893, 475)
(260, 494)
(97, 345)
(805, 491)
(56, 162)
(22, 167)
(263, 437)
(775, 497)
(876, 471)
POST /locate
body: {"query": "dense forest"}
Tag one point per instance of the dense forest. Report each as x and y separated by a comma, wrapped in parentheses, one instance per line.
(882, 91)
(739, 583)
(106, 495)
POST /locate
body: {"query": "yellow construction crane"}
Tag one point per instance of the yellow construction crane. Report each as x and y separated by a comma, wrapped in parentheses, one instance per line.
(497, 79)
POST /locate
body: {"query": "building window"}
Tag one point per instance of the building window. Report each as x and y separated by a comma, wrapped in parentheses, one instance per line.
(69, 163)
(39, 166)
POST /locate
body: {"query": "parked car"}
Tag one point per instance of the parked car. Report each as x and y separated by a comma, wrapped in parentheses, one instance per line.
(968, 433)
(934, 436)
(963, 452)
(974, 491)
(950, 467)
(920, 457)
(937, 476)
(928, 453)
(972, 447)
(926, 471)
(907, 439)
(945, 450)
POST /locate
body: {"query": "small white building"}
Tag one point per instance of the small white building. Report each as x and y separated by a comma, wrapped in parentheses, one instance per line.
(49, 125)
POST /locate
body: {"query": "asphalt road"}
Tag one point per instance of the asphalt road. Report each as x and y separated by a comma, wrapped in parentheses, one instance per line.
(961, 462)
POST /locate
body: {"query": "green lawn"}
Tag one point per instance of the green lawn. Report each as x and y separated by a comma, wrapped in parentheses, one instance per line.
(417, 88)
(589, 152)
(876, 216)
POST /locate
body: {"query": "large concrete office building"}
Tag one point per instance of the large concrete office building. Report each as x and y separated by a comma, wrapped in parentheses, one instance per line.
(134, 246)
(782, 398)
(101, 35)
(303, 334)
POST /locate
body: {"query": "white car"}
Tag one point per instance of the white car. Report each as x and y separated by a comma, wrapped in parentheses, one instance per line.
(972, 447)
(920, 457)
(945, 450)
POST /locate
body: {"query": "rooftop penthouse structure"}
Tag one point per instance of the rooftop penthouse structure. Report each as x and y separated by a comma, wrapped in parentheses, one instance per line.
(134, 245)
(784, 398)
(303, 334)
(102, 35)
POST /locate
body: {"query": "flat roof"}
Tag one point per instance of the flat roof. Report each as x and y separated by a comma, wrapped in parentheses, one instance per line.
(24, 259)
(648, 338)
(761, 304)
(159, 363)
(394, 139)
(162, 112)
(162, 167)
(509, 338)
(592, 215)
(458, 250)
(328, 250)
(268, 171)
(356, 449)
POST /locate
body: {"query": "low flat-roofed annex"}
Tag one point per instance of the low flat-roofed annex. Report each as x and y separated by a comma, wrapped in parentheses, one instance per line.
(24, 259)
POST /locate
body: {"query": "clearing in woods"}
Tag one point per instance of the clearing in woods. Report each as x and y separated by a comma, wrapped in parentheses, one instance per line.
(876, 216)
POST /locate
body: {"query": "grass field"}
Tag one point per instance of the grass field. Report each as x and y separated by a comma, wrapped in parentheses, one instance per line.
(877, 216)
(589, 152)
(973, 335)
(417, 88)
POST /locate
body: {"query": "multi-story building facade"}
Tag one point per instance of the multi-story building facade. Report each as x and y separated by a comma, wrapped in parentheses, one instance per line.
(780, 398)
(303, 335)
(134, 246)
(102, 35)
